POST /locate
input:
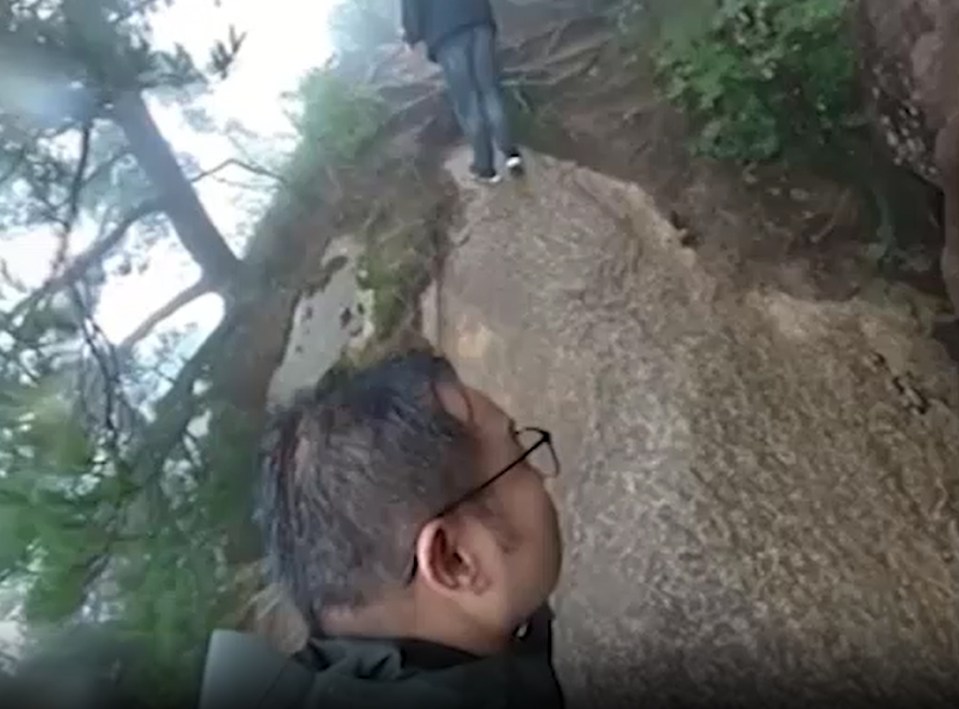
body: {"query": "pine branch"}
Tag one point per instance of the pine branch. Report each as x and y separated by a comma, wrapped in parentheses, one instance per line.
(73, 197)
(9, 572)
(108, 364)
(13, 360)
(179, 301)
(106, 165)
(174, 412)
(15, 166)
(133, 10)
(52, 210)
(76, 270)
(177, 407)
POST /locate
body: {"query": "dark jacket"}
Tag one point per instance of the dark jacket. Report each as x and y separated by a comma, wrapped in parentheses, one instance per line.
(242, 672)
(435, 21)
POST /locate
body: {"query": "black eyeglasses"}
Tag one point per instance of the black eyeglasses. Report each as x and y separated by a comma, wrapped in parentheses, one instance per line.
(538, 451)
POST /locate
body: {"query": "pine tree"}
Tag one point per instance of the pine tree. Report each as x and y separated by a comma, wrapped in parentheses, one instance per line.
(108, 506)
(123, 505)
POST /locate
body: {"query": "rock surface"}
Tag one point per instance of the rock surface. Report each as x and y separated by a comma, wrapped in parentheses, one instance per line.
(760, 494)
(909, 50)
(326, 321)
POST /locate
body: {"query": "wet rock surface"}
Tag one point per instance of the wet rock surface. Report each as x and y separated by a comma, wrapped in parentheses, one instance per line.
(760, 493)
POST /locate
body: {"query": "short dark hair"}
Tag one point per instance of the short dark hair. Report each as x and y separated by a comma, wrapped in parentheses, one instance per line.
(349, 474)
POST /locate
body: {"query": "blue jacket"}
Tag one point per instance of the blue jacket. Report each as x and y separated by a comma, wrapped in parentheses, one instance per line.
(435, 21)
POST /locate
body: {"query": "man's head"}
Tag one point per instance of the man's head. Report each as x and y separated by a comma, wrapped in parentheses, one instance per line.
(368, 502)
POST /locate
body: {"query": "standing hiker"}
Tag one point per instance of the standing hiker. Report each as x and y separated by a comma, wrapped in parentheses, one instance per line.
(406, 515)
(461, 36)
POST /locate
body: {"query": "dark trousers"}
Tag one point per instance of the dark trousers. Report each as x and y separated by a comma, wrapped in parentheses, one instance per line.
(472, 74)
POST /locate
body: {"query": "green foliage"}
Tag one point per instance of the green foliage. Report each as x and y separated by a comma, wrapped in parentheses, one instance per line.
(764, 78)
(43, 491)
(89, 534)
(389, 281)
(395, 267)
(335, 121)
(87, 541)
(115, 502)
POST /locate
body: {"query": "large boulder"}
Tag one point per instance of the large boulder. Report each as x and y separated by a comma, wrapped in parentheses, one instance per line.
(760, 492)
(910, 64)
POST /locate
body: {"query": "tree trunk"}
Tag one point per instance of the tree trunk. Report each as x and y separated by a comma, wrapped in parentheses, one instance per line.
(190, 220)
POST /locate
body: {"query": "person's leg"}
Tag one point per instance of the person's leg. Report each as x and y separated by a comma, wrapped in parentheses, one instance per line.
(491, 89)
(456, 59)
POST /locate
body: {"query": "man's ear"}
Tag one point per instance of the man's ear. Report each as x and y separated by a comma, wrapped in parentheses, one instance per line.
(454, 399)
(445, 563)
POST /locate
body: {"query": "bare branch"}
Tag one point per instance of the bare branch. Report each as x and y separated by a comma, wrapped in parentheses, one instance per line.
(248, 166)
(73, 198)
(172, 402)
(108, 365)
(96, 172)
(79, 176)
(9, 278)
(87, 259)
(255, 187)
(179, 301)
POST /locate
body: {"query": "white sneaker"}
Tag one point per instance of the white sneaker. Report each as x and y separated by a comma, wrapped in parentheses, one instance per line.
(514, 163)
(491, 179)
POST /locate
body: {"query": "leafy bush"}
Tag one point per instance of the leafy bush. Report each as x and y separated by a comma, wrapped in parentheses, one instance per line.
(337, 117)
(335, 120)
(395, 268)
(764, 78)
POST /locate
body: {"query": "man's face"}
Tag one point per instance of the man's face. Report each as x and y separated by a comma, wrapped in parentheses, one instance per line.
(527, 560)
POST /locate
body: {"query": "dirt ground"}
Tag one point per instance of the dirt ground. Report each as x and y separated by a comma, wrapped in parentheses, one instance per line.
(810, 235)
